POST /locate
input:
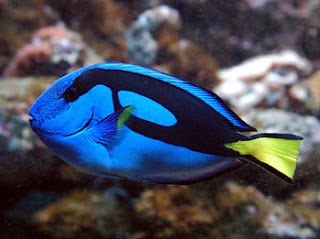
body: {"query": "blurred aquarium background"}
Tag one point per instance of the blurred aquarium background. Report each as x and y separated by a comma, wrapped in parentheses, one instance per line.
(261, 56)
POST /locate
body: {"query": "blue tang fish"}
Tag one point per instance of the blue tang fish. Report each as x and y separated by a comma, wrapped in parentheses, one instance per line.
(125, 121)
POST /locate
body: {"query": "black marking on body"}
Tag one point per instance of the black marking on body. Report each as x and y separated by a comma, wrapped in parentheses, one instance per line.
(116, 102)
(199, 127)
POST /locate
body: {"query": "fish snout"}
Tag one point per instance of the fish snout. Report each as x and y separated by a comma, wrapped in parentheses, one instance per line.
(31, 118)
(33, 121)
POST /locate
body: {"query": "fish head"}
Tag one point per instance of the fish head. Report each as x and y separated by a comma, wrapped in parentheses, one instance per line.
(61, 110)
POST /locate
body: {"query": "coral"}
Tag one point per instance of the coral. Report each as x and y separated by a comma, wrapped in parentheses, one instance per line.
(308, 37)
(28, 59)
(17, 22)
(153, 39)
(191, 63)
(53, 50)
(314, 85)
(84, 215)
(101, 16)
(175, 211)
(235, 210)
(30, 15)
(142, 45)
(268, 80)
(269, 218)
(50, 32)
(237, 30)
(307, 197)
(102, 23)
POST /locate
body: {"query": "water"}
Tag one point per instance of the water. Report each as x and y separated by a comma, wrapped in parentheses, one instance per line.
(261, 57)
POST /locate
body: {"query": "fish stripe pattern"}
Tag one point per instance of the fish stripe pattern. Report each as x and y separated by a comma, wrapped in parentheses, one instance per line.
(146, 108)
(208, 97)
(193, 114)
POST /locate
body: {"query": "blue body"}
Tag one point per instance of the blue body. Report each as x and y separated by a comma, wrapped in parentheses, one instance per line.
(175, 135)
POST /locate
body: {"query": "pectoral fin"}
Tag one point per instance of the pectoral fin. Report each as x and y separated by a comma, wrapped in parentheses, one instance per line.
(106, 130)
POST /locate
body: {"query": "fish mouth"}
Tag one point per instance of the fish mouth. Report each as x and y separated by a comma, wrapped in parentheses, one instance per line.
(35, 124)
(32, 119)
(83, 128)
(34, 115)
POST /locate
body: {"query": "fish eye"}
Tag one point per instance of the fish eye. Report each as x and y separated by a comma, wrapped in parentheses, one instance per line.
(71, 94)
(73, 89)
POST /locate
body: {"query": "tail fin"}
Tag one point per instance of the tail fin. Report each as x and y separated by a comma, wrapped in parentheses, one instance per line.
(277, 153)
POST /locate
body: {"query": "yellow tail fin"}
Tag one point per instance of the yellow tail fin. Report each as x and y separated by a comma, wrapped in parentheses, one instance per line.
(277, 153)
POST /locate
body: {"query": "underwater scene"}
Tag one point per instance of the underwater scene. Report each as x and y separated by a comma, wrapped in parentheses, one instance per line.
(150, 131)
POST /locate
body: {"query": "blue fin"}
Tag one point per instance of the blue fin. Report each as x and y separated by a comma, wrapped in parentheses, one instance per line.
(206, 96)
(105, 131)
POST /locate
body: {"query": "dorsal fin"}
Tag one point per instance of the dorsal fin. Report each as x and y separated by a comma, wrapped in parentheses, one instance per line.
(206, 96)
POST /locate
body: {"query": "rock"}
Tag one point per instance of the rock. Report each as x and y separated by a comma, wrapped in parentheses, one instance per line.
(27, 206)
(299, 93)
(265, 81)
(15, 221)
